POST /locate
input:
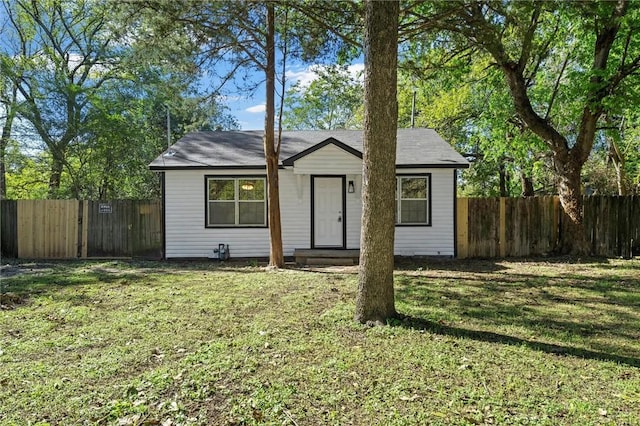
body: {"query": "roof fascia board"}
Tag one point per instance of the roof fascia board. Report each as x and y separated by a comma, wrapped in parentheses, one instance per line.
(433, 166)
(202, 167)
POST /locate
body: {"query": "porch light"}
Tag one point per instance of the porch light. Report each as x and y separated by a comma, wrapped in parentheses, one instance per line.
(247, 186)
(351, 188)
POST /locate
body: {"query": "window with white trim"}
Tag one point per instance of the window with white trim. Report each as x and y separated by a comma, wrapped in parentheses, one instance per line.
(236, 201)
(412, 200)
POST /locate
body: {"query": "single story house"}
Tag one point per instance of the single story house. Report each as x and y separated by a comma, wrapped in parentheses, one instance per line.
(214, 192)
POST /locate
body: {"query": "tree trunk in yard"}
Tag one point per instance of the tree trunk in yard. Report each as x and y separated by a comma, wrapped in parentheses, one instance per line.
(573, 239)
(4, 141)
(526, 183)
(605, 77)
(271, 151)
(504, 177)
(56, 175)
(375, 297)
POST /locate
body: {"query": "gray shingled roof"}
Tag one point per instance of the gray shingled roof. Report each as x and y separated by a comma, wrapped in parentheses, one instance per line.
(243, 149)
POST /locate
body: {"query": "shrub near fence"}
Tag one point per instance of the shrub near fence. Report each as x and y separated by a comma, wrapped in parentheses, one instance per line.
(66, 229)
(505, 227)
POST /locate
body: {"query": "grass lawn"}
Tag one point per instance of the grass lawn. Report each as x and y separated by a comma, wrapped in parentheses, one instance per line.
(507, 342)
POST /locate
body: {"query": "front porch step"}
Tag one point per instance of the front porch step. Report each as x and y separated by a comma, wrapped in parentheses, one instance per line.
(326, 256)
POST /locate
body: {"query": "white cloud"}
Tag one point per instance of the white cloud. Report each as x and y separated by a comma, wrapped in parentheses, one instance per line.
(256, 108)
(305, 76)
(355, 69)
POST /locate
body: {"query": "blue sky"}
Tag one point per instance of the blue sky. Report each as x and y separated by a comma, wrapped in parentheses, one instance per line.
(249, 108)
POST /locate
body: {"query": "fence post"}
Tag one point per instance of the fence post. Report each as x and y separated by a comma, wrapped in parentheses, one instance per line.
(85, 228)
(556, 222)
(462, 221)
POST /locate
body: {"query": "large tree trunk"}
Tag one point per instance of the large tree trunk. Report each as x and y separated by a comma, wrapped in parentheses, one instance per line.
(526, 182)
(271, 152)
(375, 297)
(573, 239)
(57, 165)
(504, 178)
(4, 141)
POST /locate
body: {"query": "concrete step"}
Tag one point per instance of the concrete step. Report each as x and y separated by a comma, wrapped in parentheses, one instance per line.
(337, 261)
(326, 256)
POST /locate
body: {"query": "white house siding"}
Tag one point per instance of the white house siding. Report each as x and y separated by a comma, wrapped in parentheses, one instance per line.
(186, 235)
(437, 239)
(354, 212)
(295, 211)
(185, 232)
(329, 160)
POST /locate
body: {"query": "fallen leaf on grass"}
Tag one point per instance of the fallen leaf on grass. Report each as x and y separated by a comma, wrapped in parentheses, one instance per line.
(409, 398)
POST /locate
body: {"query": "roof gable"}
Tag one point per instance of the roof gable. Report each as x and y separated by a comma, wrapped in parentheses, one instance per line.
(330, 141)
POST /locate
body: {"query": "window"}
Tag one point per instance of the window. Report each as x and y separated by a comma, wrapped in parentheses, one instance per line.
(412, 200)
(236, 201)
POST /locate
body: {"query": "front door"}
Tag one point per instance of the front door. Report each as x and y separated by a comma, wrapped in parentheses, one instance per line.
(328, 214)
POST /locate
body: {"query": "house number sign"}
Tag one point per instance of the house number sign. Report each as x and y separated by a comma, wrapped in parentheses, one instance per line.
(105, 208)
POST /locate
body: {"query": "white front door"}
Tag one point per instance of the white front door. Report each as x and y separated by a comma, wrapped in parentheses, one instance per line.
(328, 212)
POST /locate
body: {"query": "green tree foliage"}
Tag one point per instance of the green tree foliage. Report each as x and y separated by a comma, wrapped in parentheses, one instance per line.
(95, 99)
(242, 35)
(614, 167)
(566, 65)
(332, 101)
(249, 37)
(466, 102)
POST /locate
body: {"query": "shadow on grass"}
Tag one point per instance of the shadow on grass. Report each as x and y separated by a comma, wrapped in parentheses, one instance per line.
(597, 307)
(415, 323)
(44, 278)
(489, 265)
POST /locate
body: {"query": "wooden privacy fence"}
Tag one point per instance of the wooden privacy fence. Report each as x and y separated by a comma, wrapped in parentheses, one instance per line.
(487, 227)
(66, 229)
(503, 227)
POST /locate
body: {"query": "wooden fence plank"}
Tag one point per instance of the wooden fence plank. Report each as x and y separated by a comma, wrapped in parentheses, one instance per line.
(502, 224)
(25, 229)
(85, 229)
(462, 223)
(486, 227)
(146, 229)
(108, 229)
(9, 228)
(124, 228)
(532, 226)
(47, 229)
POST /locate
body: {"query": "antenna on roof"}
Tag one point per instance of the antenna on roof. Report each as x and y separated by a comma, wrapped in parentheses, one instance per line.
(168, 127)
(413, 109)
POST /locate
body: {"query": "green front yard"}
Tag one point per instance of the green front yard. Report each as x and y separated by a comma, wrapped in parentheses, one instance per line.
(507, 342)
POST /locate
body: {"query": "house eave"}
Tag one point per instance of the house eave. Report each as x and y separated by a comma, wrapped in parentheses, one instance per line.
(433, 166)
(290, 166)
(203, 167)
